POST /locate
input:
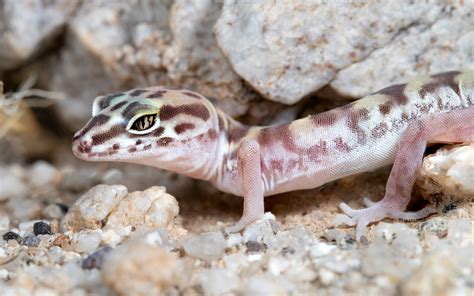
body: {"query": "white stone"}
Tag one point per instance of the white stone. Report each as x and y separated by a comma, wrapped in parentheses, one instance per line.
(42, 174)
(326, 276)
(402, 238)
(234, 239)
(91, 209)
(236, 261)
(86, 241)
(113, 176)
(4, 274)
(32, 25)
(218, 281)
(11, 186)
(111, 238)
(262, 230)
(53, 211)
(321, 249)
(300, 273)
(24, 208)
(138, 268)
(460, 231)
(289, 49)
(449, 171)
(4, 221)
(143, 211)
(207, 246)
(277, 265)
(267, 284)
(439, 45)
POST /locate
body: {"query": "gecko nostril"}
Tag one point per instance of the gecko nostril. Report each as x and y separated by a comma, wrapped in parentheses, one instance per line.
(84, 147)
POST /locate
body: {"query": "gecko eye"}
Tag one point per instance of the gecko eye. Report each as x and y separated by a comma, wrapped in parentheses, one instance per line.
(143, 124)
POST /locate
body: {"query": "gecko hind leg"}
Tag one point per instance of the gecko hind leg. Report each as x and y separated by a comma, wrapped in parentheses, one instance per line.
(451, 127)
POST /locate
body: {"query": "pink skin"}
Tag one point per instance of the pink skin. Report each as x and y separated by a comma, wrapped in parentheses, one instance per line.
(447, 127)
(254, 162)
(249, 171)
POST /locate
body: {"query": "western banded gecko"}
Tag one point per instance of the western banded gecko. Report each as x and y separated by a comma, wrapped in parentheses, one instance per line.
(181, 131)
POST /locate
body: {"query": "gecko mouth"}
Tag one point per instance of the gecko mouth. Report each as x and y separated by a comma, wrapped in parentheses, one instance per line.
(83, 150)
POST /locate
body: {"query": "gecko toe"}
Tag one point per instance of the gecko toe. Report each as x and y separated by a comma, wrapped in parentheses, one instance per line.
(348, 210)
(342, 219)
(368, 202)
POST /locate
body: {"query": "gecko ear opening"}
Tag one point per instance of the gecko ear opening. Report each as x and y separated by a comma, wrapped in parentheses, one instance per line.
(143, 123)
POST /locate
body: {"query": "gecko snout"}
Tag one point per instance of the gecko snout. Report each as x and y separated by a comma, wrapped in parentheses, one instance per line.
(80, 146)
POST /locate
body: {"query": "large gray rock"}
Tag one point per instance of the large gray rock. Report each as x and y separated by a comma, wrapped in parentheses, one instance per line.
(28, 27)
(447, 44)
(289, 49)
(112, 47)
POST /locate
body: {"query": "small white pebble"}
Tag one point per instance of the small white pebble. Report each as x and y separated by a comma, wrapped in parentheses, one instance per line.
(234, 239)
(254, 257)
(320, 250)
(326, 276)
(4, 274)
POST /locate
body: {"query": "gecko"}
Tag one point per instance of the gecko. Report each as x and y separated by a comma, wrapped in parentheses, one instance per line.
(183, 132)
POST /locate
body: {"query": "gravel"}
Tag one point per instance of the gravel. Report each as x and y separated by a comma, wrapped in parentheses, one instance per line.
(114, 241)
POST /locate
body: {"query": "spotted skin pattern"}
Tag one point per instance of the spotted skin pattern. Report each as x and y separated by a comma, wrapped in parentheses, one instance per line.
(392, 125)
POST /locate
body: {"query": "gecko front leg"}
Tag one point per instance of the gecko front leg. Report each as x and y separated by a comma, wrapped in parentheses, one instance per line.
(455, 126)
(249, 170)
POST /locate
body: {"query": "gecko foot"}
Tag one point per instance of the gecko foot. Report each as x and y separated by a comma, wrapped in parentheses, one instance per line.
(375, 212)
(240, 225)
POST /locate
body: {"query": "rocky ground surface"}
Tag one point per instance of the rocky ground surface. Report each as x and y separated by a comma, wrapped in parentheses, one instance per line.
(63, 234)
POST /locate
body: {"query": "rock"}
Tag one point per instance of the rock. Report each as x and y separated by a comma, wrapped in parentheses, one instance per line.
(113, 176)
(435, 276)
(86, 241)
(54, 211)
(448, 172)
(31, 241)
(262, 231)
(78, 180)
(143, 211)
(207, 246)
(320, 249)
(91, 209)
(96, 259)
(343, 241)
(137, 268)
(381, 258)
(255, 247)
(427, 47)
(266, 284)
(168, 43)
(402, 238)
(4, 221)
(41, 228)
(11, 186)
(10, 235)
(236, 261)
(436, 226)
(284, 50)
(218, 281)
(42, 174)
(29, 28)
(294, 242)
(234, 239)
(326, 277)
(460, 231)
(24, 209)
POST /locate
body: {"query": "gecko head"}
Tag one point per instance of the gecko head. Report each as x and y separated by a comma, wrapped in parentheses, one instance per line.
(143, 124)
